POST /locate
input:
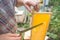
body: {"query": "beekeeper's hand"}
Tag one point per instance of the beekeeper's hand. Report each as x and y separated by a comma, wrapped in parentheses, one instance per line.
(10, 36)
(28, 4)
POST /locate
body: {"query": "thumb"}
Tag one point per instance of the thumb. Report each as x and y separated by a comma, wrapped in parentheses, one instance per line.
(28, 8)
(13, 35)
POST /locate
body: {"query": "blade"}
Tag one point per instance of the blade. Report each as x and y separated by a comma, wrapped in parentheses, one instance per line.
(30, 28)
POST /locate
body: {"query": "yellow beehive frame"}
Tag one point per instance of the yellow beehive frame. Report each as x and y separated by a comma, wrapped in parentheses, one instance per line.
(39, 32)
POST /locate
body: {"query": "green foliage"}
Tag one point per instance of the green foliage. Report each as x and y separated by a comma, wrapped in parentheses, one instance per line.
(25, 25)
(51, 35)
(54, 3)
(54, 27)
